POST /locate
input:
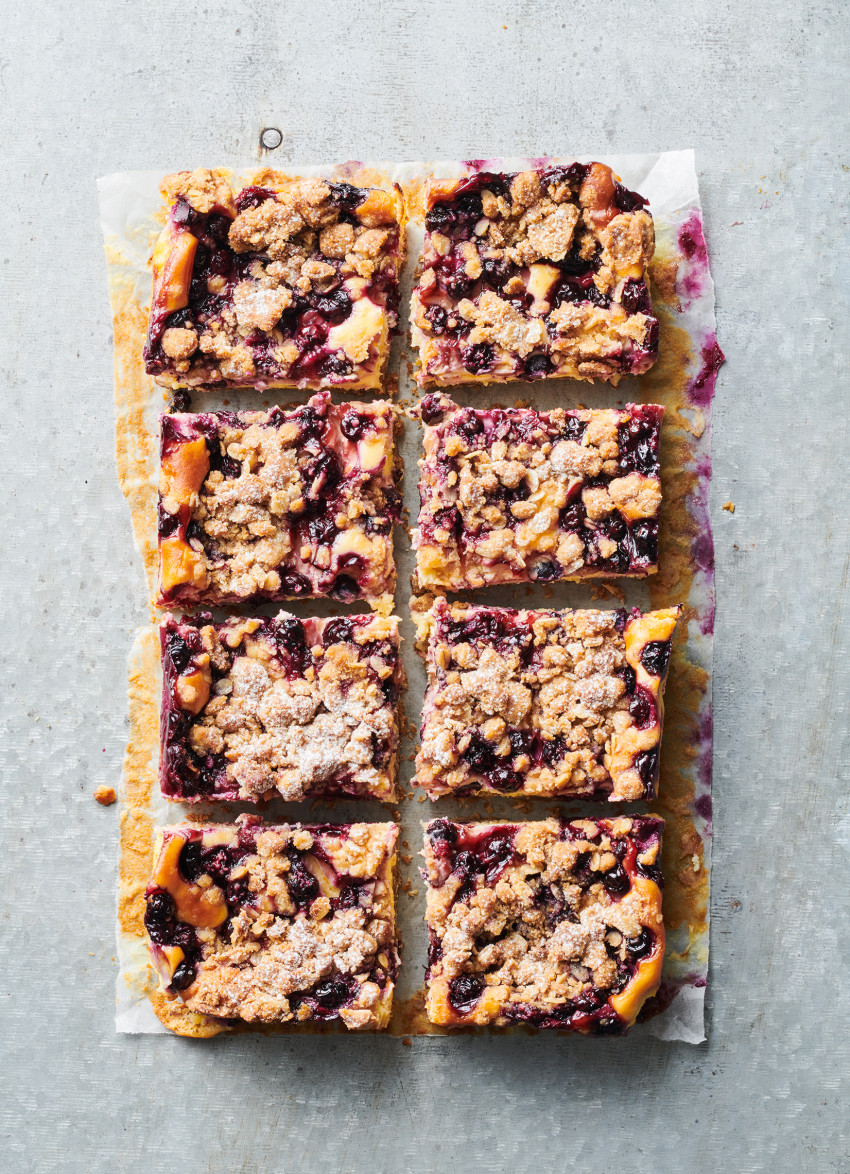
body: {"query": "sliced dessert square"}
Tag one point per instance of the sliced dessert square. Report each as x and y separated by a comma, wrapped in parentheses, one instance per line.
(514, 495)
(554, 924)
(292, 284)
(278, 925)
(255, 708)
(534, 274)
(555, 704)
(278, 505)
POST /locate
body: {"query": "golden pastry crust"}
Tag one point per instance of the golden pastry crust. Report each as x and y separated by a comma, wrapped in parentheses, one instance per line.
(278, 925)
(254, 708)
(552, 924)
(553, 704)
(539, 274)
(289, 285)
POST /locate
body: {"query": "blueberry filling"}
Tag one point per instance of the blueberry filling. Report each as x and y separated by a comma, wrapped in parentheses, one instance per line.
(189, 862)
(338, 631)
(432, 409)
(638, 444)
(464, 992)
(327, 997)
(478, 358)
(291, 583)
(635, 297)
(640, 946)
(536, 366)
(345, 589)
(291, 641)
(545, 571)
(642, 708)
(253, 197)
(302, 885)
(160, 916)
(437, 317)
(353, 426)
(646, 765)
(335, 366)
(440, 831)
(655, 657)
(627, 201)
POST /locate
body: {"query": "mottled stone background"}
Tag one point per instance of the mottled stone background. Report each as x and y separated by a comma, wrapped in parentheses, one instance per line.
(760, 91)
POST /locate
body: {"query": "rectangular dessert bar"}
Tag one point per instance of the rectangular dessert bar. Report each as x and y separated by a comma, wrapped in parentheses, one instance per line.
(554, 924)
(277, 505)
(255, 708)
(515, 495)
(540, 273)
(292, 284)
(555, 704)
(278, 925)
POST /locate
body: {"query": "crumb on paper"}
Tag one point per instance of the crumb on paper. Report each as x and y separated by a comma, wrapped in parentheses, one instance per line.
(407, 1041)
(105, 796)
(729, 506)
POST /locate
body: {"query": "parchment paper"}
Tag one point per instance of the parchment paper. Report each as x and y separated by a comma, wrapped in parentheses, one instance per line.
(132, 213)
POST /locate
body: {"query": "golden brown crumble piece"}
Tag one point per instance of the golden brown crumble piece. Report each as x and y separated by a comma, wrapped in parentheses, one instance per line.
(293, 285)
(258, 707)
(553, 924)
(543, 703)
(536, 274)
(288, 924)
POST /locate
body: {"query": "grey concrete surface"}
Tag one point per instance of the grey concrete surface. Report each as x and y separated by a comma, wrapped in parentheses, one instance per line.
(760, 90)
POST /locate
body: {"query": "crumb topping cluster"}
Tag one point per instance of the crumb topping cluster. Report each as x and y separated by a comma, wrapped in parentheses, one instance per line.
(276, 505)
(534, 274)
(258, 707)
(293, 284)
(545, 703)
(277, 924)
(554, 924)
(515, 495)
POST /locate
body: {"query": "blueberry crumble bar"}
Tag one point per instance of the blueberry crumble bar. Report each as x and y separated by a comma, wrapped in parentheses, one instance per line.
(284, 924)
(289, 285)
(278, 504)
(542, 273)
(554, 924)
(514, 495)
(253, 708)
(555, 704)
